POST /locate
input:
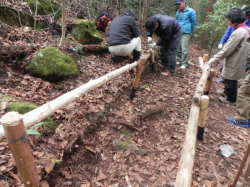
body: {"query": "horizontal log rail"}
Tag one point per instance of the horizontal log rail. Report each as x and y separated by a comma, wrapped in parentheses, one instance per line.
(49, 108)
(197, 115)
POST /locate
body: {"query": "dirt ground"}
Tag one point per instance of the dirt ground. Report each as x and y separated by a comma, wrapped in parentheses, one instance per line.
(105, 139)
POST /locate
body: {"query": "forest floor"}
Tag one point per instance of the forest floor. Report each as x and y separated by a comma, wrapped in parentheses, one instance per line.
(106, 139)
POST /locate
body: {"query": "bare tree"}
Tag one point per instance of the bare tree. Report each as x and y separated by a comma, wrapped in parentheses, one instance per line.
(63, 23)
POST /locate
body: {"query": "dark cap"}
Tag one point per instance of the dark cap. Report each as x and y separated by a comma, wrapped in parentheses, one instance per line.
(179, 1)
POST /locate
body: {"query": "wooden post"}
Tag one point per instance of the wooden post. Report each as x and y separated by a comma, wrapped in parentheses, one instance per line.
(19, 146)
(209, 82)
(203, 116)
(205, 58)
(139, 71)
(242, 165)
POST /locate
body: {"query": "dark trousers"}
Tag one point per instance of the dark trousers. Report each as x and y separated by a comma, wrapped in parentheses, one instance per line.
(168, 52)
(230, 90)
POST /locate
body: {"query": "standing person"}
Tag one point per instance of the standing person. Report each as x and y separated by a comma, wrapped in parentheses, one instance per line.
(168, 31)
(242, 117)
(123, 37)
(235, 52)
(230, 29)
(186, 17)
(228, 33)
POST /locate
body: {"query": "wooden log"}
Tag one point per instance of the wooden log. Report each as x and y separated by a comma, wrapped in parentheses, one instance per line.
(95, 48)
(185, 171)
(49, 108)
(20, 148)
(242, 165)
(184, 174)
(203, 116)
(209, 82)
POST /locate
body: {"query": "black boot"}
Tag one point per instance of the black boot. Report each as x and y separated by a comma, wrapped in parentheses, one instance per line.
(136, 55)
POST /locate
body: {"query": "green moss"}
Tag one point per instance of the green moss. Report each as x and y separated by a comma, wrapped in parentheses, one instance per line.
(21, 107)
(45, 7)
(13, 17)
(52, 63)
(85, 32)
(24, 107)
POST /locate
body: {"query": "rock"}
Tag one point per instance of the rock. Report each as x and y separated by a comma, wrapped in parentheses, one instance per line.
(85, 32)
(50, 63)
(226, 150)
(13, 17)
(45, 7)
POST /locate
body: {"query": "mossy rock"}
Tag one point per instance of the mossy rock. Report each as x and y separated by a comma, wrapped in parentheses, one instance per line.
(85, 32)
(46, 7)
(13, 17)
(52, 64)
(24, 107)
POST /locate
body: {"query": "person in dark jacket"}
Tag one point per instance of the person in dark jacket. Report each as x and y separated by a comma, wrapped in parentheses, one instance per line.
(169, 33)
(123, 36)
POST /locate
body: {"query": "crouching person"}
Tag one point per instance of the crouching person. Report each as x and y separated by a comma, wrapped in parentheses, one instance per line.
(169, 33)
(123, 37)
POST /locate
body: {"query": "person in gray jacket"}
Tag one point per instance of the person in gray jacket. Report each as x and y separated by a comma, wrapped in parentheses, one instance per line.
(235, 52)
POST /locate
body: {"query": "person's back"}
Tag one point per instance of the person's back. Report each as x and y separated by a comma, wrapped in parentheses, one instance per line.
(168, 27)
(123, 37)
(122, 30)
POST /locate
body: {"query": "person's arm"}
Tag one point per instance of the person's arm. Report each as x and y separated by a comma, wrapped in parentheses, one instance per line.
(134, 28)
(193, 20)
(226, 35)
(228, 48)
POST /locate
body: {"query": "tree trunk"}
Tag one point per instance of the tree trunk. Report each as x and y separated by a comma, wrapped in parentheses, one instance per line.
(63, 23)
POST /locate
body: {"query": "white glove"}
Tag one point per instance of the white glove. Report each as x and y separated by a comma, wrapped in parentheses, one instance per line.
(152, 45)
(220, 46)
(211, 61)
(149, 39)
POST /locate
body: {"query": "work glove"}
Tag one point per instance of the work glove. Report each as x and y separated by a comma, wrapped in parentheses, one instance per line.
(211, 61)
(152, 45)
(149, 39)
(220, 46)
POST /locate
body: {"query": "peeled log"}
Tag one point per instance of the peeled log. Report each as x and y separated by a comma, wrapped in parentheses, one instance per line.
(49, 108)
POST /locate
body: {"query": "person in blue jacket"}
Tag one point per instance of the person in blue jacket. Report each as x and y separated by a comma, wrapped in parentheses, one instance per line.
(186, 17)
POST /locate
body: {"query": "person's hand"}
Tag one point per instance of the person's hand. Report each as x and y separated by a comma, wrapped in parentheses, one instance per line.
(220, 46)
(152, 45)
(211, 61)
(149, 39)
